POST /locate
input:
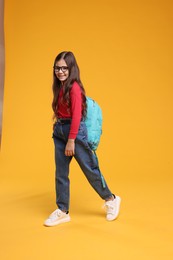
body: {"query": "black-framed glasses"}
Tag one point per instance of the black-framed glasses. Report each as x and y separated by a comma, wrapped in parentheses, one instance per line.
(63, 68)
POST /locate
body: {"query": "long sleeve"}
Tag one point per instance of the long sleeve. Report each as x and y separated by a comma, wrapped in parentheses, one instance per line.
(76, 110)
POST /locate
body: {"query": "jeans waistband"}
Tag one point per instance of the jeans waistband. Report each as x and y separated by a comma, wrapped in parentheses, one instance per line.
(64, 121)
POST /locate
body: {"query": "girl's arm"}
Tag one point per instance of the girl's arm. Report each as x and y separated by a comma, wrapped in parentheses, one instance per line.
(76, 114)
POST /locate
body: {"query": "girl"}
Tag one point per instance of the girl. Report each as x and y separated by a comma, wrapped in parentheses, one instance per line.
(70, 139)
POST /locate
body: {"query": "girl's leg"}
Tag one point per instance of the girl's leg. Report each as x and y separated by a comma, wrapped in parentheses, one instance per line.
(89, 164)
(61, 214)
(62, 175)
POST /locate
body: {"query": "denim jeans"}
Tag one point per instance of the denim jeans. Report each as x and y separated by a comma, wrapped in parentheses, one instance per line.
(86, 159)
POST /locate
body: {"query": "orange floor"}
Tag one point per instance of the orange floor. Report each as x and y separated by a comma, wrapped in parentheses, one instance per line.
(143, 230)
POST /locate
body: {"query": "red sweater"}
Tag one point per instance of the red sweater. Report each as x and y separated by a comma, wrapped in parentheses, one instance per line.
(75, 111)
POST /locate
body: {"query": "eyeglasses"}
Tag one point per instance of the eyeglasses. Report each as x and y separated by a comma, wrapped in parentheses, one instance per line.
(63, 68)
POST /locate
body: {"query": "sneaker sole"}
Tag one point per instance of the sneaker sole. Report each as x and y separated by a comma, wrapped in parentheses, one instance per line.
(57, 222)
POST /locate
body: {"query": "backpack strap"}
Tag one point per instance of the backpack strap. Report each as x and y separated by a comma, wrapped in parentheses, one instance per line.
(102, 178)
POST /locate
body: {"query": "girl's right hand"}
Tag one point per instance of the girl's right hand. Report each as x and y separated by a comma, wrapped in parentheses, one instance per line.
(70, 147)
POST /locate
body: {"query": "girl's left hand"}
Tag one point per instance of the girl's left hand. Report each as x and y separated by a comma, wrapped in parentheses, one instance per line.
(70, 147)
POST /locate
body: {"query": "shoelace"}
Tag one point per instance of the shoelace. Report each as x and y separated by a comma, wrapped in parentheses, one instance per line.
(109, 207)
(55, 214)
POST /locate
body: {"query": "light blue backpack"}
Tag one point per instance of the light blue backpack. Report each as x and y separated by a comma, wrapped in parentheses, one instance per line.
(93, 123)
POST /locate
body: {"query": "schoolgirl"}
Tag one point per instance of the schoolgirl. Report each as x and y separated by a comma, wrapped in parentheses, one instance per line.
(70, 140)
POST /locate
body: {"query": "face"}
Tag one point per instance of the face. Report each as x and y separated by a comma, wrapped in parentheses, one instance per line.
(61, 70)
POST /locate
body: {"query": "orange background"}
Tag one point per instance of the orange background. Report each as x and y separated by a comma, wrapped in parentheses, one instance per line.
(125, 54)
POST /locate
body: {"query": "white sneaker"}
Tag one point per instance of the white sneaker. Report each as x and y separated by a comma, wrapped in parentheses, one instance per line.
(57, 217)
(112, 208)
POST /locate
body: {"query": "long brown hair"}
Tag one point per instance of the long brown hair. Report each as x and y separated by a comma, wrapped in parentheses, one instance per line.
(74, 76)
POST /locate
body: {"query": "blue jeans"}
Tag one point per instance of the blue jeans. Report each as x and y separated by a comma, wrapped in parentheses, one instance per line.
(86, 159)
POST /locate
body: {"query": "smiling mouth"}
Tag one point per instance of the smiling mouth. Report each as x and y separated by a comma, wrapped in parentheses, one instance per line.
(62, 77)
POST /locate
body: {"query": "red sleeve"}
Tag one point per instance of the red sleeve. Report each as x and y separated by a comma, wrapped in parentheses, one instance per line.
(76, 110)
